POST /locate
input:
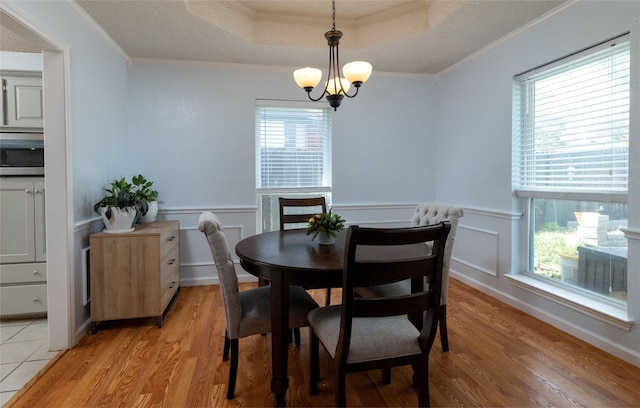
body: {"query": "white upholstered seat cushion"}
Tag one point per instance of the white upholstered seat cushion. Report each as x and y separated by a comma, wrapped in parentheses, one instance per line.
(256, 309)
(368, 342)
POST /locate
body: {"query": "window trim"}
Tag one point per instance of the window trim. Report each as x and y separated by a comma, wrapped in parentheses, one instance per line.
(597, 308)
(325, 190)
(607, 310)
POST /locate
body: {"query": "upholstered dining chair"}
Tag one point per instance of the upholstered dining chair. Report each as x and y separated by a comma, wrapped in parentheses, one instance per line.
(378, 333)
(428, 214)
(247, 312)
(297, 211)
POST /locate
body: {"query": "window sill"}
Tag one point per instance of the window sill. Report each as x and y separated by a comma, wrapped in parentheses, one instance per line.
(610, 313)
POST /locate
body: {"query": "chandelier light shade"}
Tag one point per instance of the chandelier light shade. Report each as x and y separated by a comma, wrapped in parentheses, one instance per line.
(337, 86)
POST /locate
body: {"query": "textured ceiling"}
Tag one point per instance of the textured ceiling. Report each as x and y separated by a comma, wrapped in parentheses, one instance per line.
(414, 36)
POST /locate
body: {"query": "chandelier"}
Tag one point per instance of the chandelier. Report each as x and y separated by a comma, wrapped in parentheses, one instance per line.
(336, 87)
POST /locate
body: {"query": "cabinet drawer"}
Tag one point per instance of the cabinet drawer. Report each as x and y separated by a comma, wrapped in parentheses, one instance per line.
(23, 300)
(169, 239)
(170, 261)
(23, 273)
(169, 287)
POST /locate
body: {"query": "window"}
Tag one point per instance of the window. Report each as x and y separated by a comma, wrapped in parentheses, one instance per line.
(571, 153)
(293, 155)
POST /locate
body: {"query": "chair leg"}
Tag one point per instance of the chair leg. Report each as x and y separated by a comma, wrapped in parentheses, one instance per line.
(294, 336)
(233, 369)
(314, 363)
(261, 283)
(327, 301)
(225, 352)
(341, 393)
(386, 375)
(444, 337)
(421, 382)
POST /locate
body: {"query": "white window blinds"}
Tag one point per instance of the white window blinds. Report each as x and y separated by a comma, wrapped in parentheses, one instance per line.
(293, 149)
(573, 124)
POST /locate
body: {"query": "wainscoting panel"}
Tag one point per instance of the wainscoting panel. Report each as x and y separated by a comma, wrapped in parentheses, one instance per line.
(477, 248)
(196, 262)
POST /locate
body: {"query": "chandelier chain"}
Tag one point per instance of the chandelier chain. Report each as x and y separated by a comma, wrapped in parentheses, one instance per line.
(334, 14)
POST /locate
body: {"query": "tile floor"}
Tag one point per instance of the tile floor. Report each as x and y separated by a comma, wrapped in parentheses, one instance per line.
(24, 351)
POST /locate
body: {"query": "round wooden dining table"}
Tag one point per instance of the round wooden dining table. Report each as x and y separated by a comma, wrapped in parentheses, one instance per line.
(286, 258)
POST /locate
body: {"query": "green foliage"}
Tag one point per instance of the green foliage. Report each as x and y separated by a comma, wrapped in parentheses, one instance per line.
(119, 195)
(551, 227)
(143, 188)
(143, 192)
(550, 241)
(325, 222)
(123, 194)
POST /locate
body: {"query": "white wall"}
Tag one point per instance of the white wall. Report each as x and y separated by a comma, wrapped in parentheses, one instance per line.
(192, 131)
(194, 124)
(474, 140)
(20, 61)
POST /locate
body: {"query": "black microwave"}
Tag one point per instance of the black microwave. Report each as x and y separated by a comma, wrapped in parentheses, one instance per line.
(21, 154)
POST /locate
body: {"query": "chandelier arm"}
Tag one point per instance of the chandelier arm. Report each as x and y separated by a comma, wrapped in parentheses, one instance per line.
(317, 99)
(337, 70)
(352, 96)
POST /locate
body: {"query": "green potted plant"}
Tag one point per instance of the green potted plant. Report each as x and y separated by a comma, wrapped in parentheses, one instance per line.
(326, 225)
(146, 199)
(118, 207)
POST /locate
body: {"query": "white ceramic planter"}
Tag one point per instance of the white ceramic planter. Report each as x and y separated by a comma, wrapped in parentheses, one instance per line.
(121, 219)
(152, 213)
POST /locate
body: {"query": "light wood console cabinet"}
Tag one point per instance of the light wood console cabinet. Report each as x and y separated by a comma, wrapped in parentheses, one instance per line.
(135, 274)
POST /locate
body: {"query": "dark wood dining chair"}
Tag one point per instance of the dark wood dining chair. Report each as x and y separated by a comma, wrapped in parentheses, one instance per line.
(427, 214)
(363, 334)
(299, 210)
(295, 212)
(247, 312)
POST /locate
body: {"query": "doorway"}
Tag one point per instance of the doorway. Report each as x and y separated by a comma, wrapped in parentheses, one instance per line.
(59, 206)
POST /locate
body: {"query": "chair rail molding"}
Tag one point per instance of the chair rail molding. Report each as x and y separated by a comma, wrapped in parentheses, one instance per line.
(508, 215)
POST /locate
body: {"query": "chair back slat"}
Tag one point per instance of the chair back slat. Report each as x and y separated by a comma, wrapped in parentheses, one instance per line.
(380, 272)
(392, 306)
(304, 208)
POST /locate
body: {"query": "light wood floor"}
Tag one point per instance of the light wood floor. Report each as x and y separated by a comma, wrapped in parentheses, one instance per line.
(499, 357)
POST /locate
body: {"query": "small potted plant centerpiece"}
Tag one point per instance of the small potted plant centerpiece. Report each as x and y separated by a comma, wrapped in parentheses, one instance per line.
(147, 199)
(325, 225)
(118, 207)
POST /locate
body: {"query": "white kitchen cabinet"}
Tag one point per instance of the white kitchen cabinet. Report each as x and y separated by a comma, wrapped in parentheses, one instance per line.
(22, 237)
(23, 102)
(23, 268)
